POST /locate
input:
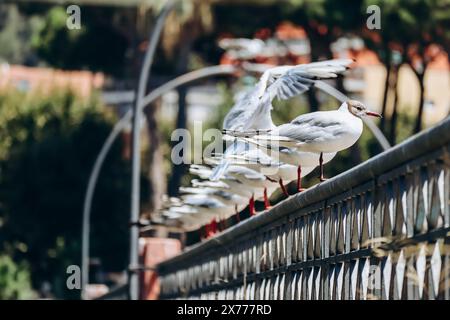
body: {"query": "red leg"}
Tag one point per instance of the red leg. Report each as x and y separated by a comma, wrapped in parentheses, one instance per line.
(299, 179)
(214, 222)
(283, 188)
(211, 228)
(266, 200)
(251, 205)
(238, 217)
(321, 167)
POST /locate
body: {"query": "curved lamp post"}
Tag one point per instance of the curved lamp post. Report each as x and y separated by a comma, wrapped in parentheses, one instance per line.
(133, 276)
(143, 80)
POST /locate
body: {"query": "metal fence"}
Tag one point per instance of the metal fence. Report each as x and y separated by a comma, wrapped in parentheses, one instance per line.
(378, 231)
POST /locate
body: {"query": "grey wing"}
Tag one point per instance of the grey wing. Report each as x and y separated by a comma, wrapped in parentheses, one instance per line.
(323, 69)
(241, 112)
(246, 172)
(301, 77)
(288, 86)
(312, 127)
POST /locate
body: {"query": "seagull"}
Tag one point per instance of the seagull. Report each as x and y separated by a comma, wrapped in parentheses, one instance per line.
(279, 170)
(242, 48)
(252, 112)
(240, 180)
(304, 162)
(320, 132)
(201, 171)
(227, 198)
(211, 207)
(231, 185)
(253, 179)
(188, 216)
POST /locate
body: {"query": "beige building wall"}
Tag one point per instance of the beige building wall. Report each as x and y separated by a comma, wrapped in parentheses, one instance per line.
(437, 91)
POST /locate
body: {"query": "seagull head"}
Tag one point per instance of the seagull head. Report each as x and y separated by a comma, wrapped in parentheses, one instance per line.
(358, 109)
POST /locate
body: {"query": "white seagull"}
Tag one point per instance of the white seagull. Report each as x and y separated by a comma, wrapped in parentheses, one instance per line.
(320, 132)
(252, 113)
(227, 198)
(282, 171)
(255, 180)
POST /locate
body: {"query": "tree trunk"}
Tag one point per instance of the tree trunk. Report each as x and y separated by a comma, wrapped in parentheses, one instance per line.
(421, 78)
(394, 116)
(385, 97)
(420, 74)
(320, 46)
(312, 100)
(155, 157)
(178, 170)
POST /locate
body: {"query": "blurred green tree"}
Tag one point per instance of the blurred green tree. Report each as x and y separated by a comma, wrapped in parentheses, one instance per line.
(15, 282)
(47, 149)
(16, 34)
(98, 46)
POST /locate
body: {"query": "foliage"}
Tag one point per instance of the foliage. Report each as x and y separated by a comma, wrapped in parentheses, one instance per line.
(16, 34)
(47, 150)
(97, 46)
(15, 280)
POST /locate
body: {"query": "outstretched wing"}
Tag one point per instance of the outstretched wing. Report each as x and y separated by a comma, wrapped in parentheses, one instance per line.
(242, 111)
(283, 83)
(252, 111)
(300, 78)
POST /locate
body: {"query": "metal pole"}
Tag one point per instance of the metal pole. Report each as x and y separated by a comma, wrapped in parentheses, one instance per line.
(133, 276)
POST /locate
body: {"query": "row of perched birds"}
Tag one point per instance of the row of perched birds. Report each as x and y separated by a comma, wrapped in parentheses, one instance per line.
(262, 157)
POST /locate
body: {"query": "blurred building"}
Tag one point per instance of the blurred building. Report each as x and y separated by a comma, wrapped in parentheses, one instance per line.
(201, 99)
(152, 252)
(46, 80)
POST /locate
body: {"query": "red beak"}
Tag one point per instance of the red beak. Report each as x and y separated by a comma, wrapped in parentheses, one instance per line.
(374, 114)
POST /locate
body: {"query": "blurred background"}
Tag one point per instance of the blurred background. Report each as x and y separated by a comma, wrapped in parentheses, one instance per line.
(62, 90)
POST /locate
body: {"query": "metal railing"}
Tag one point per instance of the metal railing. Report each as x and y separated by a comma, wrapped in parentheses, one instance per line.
(378, 231)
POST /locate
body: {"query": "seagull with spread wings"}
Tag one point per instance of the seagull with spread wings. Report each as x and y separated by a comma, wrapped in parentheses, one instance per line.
(251, 114)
